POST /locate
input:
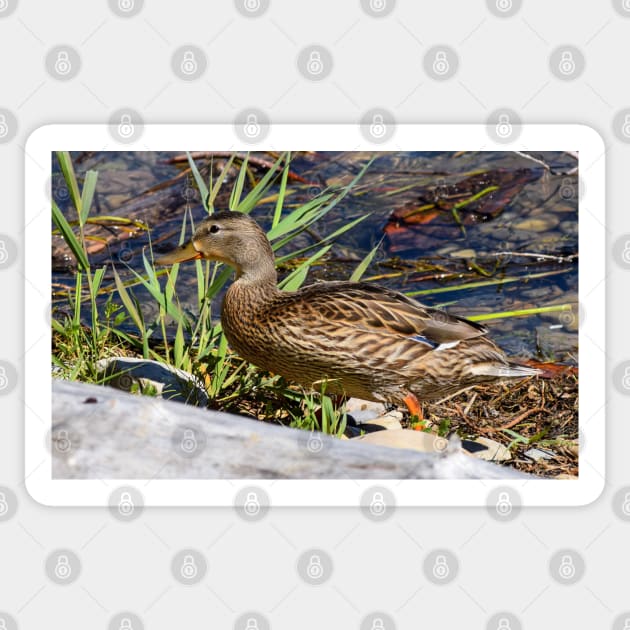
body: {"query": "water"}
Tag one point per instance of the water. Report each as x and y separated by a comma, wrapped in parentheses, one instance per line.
(534, 233)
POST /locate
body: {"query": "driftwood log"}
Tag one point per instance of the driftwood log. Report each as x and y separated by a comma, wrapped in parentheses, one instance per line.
(109, 434)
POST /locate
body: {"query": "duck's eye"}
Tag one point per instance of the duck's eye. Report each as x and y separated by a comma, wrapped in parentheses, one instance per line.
(214, 229)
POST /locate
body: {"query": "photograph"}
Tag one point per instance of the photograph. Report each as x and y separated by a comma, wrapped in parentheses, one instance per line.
(315, 314)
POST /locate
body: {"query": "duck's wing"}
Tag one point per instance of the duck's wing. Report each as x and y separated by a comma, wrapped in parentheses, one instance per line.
(378, 310)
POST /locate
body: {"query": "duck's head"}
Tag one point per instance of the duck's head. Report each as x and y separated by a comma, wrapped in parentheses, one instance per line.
(232, 238)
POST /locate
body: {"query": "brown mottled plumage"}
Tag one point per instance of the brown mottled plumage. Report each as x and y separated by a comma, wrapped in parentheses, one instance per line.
(361, 339)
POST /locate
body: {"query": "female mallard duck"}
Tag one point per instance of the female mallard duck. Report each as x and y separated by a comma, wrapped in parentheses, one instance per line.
(362, 340)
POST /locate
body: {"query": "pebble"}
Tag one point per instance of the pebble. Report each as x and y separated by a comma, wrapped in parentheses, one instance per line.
(537, 225)
(407, 438)
(464, 253)
(487, 449)
(168, 382)
(538, 454)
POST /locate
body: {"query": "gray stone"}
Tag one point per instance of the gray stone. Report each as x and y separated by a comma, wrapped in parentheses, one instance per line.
(130, 437)
(168, 382)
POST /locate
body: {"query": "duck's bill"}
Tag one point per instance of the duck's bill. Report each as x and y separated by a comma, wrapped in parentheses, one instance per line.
(180, 254)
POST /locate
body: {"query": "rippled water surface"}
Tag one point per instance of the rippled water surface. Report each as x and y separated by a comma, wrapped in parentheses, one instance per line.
(521, 249)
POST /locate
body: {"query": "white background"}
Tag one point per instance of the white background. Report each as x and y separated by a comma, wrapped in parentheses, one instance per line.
(378, 62)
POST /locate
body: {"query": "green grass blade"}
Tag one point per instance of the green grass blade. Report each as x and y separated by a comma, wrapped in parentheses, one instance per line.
(295, 279)
(201, 185)
(217, 185)
(69, 176)
(261, 188)
(358, 273)
(128, 302)
(87, 195)
(69, 236)
(237, 191)
(521, 312)
(324, 240)
(488, 283)
(282, 192)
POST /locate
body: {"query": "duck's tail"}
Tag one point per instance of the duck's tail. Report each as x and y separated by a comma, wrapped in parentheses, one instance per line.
(504, 370)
